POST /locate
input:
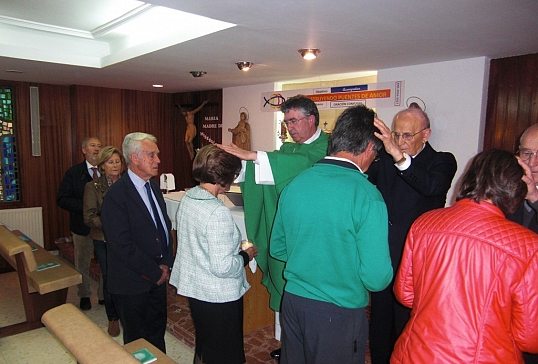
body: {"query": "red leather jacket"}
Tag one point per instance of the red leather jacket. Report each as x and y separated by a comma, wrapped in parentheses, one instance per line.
(471, 279)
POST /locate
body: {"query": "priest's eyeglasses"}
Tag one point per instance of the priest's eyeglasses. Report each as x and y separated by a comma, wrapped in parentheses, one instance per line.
(525, 154)
(294, 121)
(406, 136)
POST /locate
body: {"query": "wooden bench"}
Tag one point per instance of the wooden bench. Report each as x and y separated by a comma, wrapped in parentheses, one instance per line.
(90, 344)
(41, 290)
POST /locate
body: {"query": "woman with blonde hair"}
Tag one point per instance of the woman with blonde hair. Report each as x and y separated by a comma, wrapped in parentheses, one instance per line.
(110, 163)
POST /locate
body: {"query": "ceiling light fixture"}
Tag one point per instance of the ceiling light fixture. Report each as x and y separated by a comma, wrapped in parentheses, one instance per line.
(309, 53)
(198, 73)
(244, 66)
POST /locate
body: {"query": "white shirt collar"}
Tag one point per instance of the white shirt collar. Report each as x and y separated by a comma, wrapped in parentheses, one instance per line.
(313, 137)
(345, 160)
(423, 146)
(137, 181)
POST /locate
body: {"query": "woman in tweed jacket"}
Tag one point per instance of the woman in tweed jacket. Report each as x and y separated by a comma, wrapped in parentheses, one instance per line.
(110, 163)
(209, 266)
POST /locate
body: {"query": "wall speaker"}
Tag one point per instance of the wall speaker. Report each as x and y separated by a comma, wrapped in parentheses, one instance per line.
(35, 121)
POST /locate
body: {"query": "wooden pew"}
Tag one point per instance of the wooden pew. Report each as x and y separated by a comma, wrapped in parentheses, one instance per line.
(90, 344)
(41, 290)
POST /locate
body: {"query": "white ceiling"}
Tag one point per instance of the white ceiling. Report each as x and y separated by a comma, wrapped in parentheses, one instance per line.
(353, 35)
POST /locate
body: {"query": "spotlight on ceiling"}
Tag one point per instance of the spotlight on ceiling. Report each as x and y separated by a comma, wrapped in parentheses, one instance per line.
(244, 66)
(198, 73)
(309, 53)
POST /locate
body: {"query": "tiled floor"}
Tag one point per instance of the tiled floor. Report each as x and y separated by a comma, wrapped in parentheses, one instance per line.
(258, 344)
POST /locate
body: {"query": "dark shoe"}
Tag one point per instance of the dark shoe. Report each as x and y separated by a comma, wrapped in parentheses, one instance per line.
(275, 354)
(114, 328)
(101, 302)
(85, 304)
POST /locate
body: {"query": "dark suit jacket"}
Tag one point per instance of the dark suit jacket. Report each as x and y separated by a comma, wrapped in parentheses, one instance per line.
(71, 196)
(132, 243)
(519, 217)
(410, 193)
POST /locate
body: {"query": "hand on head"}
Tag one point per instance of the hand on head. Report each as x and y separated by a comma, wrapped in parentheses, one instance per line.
(388, 141)
(246, 155)
(532, 194)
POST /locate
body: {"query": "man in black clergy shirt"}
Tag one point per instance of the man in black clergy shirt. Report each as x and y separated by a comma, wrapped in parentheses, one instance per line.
(139, 245)
(526, 215)
(413, 178)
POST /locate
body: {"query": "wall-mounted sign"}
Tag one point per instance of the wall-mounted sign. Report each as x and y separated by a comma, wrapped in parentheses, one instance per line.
(373, 95)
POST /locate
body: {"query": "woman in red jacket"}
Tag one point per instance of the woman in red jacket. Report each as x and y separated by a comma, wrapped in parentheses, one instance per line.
(470, 275)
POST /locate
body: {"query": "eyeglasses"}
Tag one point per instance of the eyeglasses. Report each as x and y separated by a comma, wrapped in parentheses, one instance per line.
(406, 136)
(294, 121)
(526, 154)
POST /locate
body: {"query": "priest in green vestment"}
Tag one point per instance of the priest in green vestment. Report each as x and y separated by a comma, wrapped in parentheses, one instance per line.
(267, 173)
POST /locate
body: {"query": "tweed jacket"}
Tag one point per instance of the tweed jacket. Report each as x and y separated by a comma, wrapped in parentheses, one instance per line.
(94, 192)
(208, 266)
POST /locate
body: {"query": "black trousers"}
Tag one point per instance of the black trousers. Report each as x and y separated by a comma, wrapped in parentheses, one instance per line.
(143, 315)
(388, 318)
(317, 332)
(219, 331)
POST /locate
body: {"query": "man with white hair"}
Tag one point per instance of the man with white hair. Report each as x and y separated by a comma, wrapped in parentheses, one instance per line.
(139, 243)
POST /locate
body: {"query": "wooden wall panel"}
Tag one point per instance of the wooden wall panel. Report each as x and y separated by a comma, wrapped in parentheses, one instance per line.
(512, 103)
(40, 176)
(70, 113)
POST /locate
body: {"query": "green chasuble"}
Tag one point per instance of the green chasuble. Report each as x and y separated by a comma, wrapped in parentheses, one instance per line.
(260, 203)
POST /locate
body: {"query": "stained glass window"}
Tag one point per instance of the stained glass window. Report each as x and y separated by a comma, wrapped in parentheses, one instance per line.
(9, 182)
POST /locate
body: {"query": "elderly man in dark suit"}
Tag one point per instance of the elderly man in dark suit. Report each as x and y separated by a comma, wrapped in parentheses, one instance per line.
(413, 178)
(139, 245)
(70, 197)
(527, 214)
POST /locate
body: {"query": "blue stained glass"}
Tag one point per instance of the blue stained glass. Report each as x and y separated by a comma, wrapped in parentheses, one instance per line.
(9, 182)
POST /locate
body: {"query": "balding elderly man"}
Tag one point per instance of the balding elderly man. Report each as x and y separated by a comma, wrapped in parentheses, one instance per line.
(413, 178)
(526, 215)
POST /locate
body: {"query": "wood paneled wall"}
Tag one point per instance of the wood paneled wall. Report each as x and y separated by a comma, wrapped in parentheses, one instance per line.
(512, 103)
(70, 113)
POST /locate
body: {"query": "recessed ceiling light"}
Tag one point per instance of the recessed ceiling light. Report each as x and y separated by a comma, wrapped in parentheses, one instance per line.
(158, 86)
(198, 73)
(244, 65)
(309, 53)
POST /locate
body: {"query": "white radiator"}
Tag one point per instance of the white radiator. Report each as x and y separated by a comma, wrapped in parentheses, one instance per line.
(28, 220)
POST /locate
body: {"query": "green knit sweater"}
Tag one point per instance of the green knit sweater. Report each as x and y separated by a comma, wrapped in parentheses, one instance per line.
(331, 229)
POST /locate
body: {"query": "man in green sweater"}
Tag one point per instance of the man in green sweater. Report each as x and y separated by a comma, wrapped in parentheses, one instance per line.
(331, 231)
(265, 176)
